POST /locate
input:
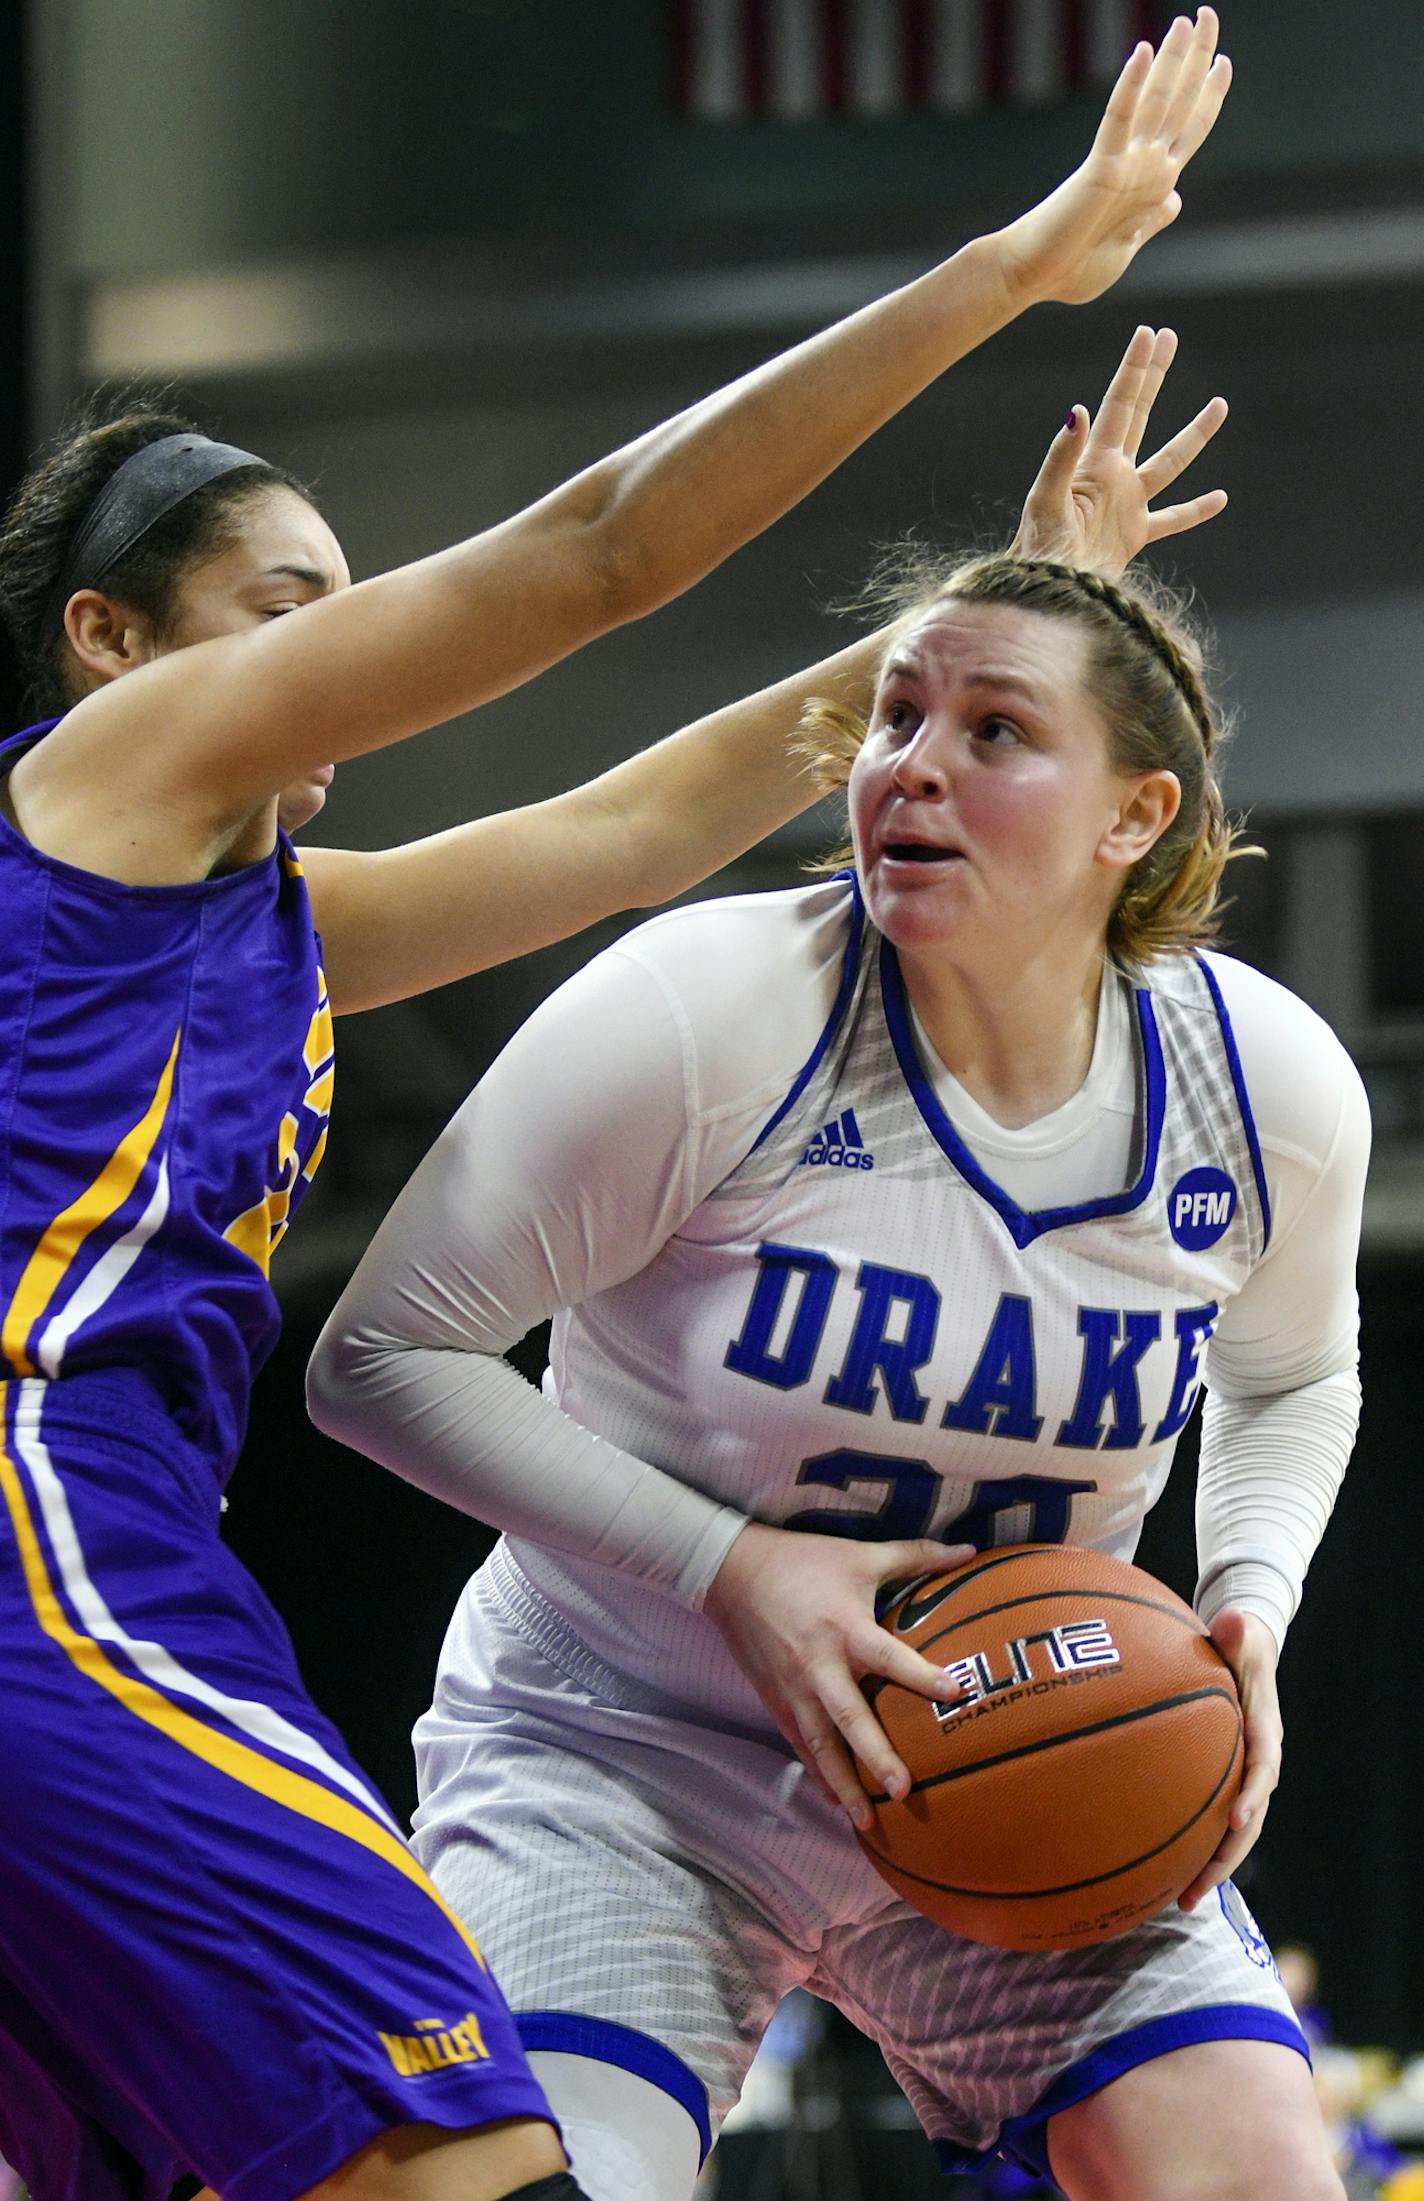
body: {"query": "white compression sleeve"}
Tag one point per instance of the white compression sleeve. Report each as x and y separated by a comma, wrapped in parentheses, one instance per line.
(1283, 1393)
(1270, 1471)
(528, 1202)
(581, 1152)
(466, 1426)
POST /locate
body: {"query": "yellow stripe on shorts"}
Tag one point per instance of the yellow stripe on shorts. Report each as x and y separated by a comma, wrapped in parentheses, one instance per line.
(292, 1790)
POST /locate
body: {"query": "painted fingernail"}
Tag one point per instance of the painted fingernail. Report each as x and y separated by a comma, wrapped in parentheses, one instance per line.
(1072, 422)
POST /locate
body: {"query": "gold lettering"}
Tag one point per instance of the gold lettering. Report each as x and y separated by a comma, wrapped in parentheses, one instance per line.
(433, 2046)
(320, 1040)
(319, 1092)
(398, 2051)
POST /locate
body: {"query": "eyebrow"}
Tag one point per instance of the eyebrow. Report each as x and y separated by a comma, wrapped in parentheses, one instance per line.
(906, 668)
(1012, 681)
(313, 576)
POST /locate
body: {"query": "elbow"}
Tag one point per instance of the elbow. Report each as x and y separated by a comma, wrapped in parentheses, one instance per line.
(628, 571)
(627, 582)
(332, 1381)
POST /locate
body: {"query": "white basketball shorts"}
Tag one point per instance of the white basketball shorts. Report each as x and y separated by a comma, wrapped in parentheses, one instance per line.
(647, 1887)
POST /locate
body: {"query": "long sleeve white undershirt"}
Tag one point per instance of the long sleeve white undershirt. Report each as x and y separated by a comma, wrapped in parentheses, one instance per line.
(638, 1086)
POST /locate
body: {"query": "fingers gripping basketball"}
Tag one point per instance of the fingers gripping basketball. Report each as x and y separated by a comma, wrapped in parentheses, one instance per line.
(1086, 1775)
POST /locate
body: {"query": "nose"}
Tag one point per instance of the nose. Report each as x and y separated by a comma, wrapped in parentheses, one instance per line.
(921, 767)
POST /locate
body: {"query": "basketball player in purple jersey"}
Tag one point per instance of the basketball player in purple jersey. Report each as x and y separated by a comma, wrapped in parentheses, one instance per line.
(217, 1955)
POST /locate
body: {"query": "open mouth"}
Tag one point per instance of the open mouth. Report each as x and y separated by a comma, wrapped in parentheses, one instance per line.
(919, 852)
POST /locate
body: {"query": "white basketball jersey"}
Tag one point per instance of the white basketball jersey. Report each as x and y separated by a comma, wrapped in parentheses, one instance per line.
(859, 1332)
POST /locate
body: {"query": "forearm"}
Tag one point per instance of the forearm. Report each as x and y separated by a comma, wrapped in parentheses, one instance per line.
(727, 468)
(699, 799)
(399, 922)
(672, 505)
(524, 1206)
(469, 1430)
(1270, 1471)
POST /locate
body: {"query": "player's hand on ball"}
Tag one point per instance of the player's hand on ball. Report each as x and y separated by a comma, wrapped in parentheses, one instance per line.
(1079, 240)
(1091, 505)
(797, 1611)
(1249, 1649)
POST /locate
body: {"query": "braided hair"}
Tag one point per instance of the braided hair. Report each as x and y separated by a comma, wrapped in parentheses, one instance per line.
(1145, 672)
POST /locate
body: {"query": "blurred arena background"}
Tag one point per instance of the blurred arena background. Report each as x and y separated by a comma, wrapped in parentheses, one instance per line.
(436, 257)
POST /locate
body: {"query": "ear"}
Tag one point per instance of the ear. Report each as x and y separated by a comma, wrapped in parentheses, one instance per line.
(1149, 803)
(106, 637)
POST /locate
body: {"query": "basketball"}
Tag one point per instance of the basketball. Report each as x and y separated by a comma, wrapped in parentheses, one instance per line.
(1087, 1775)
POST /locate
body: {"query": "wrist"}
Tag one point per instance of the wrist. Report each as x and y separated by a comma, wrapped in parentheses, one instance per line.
(1251, 1587)
(1259, 1635)
(1009, 262)
(742, 1558)
(980, 289)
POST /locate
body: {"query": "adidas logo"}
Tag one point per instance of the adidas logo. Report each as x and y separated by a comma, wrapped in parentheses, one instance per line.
(839, 1145)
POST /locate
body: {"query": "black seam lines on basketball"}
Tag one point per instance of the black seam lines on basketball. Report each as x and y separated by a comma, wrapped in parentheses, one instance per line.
(1075, 1734)
(1069, 1887)
(1090, 1596)
(874, 1683)
(990, 1563)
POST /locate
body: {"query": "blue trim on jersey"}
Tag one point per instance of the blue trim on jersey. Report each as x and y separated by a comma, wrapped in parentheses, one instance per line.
(565, 2033)
(849, 967)
(1023, 1225)
(1243, 1102)
(1025, 2139)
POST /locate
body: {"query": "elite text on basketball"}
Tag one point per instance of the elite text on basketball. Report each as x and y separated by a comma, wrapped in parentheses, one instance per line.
(1072, 1649)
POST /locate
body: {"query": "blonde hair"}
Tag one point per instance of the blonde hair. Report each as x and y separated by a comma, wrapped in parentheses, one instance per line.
(1145, 672)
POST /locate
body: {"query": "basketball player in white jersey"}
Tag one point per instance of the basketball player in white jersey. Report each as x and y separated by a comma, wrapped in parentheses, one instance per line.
(919, 1203)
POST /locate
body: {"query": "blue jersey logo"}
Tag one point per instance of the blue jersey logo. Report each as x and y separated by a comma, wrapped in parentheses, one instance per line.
(1200, 1207)
(839, 1145)
(1247, 1932)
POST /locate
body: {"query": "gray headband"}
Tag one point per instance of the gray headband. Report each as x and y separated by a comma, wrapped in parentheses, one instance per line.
(136, 495)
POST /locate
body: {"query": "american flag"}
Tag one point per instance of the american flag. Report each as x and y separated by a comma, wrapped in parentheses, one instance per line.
(788, 60)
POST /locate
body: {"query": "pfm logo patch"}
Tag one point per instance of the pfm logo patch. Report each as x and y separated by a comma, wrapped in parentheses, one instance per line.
(1200, 1207)
(1067, 1653)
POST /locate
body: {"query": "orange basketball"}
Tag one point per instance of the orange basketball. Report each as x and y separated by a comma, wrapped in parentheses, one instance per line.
(1089, 1774)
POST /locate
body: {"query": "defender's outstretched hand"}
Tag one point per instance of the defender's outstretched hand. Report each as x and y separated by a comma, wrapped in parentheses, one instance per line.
(1091, 505)
(1079, 240)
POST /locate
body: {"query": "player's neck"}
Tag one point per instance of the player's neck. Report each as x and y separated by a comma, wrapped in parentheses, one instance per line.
(1017, 1035)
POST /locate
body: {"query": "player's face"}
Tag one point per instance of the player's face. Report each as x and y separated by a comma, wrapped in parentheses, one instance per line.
(286, 557)
(981, 797)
